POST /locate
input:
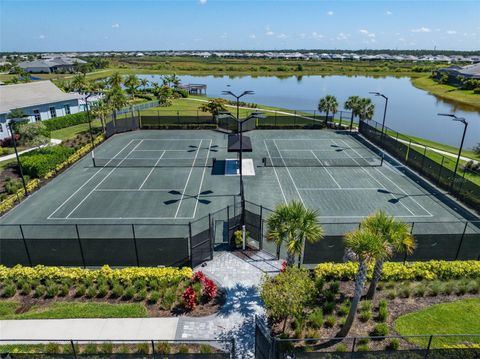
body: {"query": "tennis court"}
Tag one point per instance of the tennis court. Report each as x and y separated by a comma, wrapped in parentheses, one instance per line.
(176, 177)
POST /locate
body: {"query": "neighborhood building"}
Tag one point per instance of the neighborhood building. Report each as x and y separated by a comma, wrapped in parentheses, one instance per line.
(469, 71)
(55, 64)
(40, 100)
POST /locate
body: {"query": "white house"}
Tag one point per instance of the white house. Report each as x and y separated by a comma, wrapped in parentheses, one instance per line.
(40, 100)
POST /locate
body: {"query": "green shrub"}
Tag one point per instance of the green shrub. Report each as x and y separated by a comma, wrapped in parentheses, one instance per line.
(382, 314)
(38, 163)
(366, 306)
(205, 349)
(9, 290)
(315, 318)
(91, 292)
(334, 286)
(106, 348)
(363, 341)
(473, 287)
(365, 315)
(26, 288)
(449, 288)
(52, 348)
(183, 349)
(141, 295)
(117, 291)
(142, 348)
(39, 291)
(391, 294)
(380, 330)
(404, 291)
(163, 348)
(393, 344)
(154, 297)
(129, 293)
(419, 290)
(329, 296)
(90, 349)
(341, 348)
(330, 321)
(382, 303)
(51, 291)
(169, 298)
(435, 288)
(80, 291)
(124, 349)
(328, 307)
(344, 308)
(66, 121)
(102, 290)
(363, 348)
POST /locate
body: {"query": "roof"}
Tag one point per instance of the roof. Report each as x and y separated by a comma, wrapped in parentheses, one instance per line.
(31, 94)
(52, 62)
(471, 71)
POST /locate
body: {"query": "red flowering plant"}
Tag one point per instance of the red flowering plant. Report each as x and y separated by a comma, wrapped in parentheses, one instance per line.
(209, 288)
(189, 298)
(199, 277)
(284, 267)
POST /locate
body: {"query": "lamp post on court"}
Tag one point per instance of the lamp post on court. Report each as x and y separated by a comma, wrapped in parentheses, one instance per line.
(19, 164)
(465, 124)
(238, 97)
(89, 119)
(384, 111)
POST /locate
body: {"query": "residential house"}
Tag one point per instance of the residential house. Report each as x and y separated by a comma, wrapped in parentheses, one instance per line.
(56, 64)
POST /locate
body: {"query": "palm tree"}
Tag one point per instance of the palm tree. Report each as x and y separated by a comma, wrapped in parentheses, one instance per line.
(101, 109)
(115, 98)
(328, 104)
(132, 83)
(366, 109)
(352, 104)
(293, 224)
(115, 80)
(79, 83)
(396, 238)
(366, 246)
(144, 83)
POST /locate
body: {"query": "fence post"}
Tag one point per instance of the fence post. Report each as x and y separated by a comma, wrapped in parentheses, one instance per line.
(408, 150)
(135, 245)
(80, 245)
(190, 243)
(210, 232)
(73, 349)
(428, 346)
(423, 158)
(178, 117)
(440, 172)
(261, 229)
(461, 240)
(275, 118)
(26, 247)
(353, 344)
(233, 348)
(405, 252)
(153, 348)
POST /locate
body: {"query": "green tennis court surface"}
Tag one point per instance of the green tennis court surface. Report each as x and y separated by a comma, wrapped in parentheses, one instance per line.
(167, 177)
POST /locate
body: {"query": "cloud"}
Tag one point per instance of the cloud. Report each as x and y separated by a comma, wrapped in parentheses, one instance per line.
(115, 26)
(202, 2)
(363, 31)
(281, 36)
(252, 36)
(451, 32)
(316, 35)
(330, 13)
(422, 29)
(342, 36)
(41, 36)
(268, 31)
(367, 33)
(388, 12)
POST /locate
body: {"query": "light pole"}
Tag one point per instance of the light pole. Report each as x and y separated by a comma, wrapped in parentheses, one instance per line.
(384, 111)
(240, 123)
(238, 97)
(19, 164)
(89, 120)
(465, 124)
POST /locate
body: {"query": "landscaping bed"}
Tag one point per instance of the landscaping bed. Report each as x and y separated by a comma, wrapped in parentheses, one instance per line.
(57, 292)
(404, 291)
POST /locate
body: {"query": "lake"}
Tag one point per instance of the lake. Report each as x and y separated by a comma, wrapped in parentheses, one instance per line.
(410, 110)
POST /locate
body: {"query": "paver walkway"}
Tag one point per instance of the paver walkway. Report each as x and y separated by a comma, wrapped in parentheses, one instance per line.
(240, 278)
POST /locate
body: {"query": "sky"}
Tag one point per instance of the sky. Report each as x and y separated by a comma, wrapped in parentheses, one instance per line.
(107, 25)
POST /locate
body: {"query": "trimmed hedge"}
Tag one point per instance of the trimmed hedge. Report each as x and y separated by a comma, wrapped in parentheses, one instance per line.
(66, 121)
(39, 162)
(394, 271)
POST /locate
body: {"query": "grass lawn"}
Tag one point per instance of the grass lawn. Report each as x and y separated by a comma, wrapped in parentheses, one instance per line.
(448, 92)
(72, 131)
(65, 310)
(459, 317)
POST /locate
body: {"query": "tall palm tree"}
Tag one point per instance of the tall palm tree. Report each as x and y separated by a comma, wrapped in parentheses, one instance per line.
(367, 246)
(115, 80)
(293, 224)
(144, 83)
(79, 83)
(131, 83)
(366, 109)
(352, 104)
(328, 104)
(101, 109)
(396, 238)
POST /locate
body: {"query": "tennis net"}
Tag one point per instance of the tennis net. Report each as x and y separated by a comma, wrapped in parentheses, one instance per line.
(153, 162)
(327, 162)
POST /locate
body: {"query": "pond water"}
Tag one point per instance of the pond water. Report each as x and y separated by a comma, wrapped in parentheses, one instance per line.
(410, 110)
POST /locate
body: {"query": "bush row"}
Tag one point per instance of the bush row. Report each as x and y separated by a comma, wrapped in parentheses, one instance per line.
(66, 121)
(10, 201)
(429, 270)
(38, 163)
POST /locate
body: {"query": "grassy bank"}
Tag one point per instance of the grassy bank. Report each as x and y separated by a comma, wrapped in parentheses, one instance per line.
(73, 310)
(448, 92)
(70, 132)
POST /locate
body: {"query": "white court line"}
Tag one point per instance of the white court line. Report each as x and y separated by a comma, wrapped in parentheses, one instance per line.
(288, 170)
(201, 182)
(163, 150)
(117, 218)
(333, 178)
(368, 173)
(151, 171)
(99, 183)
(188, 179)
(96, 173)
(342, 188)
(401, 216)
(401, 189)
(172, 139)
(275, 171)
(137, 190)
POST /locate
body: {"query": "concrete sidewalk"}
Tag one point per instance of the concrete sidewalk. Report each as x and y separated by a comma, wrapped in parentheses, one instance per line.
(90, 329)
(53, 142)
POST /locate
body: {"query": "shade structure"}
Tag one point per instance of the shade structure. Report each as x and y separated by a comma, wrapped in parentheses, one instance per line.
(234, 143)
